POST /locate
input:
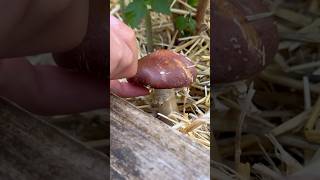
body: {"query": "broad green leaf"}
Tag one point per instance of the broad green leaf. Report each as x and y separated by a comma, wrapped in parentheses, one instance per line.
(161, 6)
(135, 12)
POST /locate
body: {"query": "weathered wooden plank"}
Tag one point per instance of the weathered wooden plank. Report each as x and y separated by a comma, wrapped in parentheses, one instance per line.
(143, 147)
(32, 149)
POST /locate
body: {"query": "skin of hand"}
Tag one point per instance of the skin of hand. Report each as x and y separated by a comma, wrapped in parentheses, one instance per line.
(35, 26)
(30, 27)
(52, 90)
(123, 59)
(48, 89)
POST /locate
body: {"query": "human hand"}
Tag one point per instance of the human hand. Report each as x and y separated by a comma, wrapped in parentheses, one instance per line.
(123, 59)
(123, 50)
(49, 89)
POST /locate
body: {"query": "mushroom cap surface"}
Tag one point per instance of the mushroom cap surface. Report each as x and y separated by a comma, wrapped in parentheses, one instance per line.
(165, 69)
(241, 47)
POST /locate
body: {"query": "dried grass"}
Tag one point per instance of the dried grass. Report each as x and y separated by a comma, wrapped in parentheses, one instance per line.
(193, 118)
(280, 133)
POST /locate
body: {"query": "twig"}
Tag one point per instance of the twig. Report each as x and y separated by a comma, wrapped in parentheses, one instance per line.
(149, 32)
(289, 82)
(304, 66)
(268, 158)
(245, 108)
(201, 11)
(290, 124)
(314, 115)
(259, 16)
(264, 170)
(291, 163)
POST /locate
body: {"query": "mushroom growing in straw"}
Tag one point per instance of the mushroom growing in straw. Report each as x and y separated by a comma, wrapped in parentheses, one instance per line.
(164, 70)
(245, 39)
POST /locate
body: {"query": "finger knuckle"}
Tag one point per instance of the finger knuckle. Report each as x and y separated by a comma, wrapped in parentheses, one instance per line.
(131, 35)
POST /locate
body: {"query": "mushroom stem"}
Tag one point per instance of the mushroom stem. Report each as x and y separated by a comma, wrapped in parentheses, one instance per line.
(164, 100)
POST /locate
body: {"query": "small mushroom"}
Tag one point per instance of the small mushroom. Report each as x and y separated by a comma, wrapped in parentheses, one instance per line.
(165, 69)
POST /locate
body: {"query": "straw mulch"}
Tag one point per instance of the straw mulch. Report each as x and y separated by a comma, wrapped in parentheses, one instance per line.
(193, 118)
(277, 112)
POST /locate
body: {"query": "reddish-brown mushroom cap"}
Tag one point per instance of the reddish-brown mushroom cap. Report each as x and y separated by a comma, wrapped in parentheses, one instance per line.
(164, 69)
(241, 48)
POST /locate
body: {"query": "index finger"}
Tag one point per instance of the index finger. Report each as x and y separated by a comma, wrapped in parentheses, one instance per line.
(125, 33)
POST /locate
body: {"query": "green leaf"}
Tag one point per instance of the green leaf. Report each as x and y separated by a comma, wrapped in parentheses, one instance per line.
(193, 3)
(161, 6)
(181, 23)
(135, 12)
(186, 25)
(192, 25)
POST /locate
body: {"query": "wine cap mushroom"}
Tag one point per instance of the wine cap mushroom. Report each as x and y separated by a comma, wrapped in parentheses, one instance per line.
(241, 47)
(164, 69)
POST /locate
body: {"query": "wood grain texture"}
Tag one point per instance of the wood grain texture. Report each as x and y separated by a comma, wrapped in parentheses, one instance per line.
(143, 147)
(31, 149)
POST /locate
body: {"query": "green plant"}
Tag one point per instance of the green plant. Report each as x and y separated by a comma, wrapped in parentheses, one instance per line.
(186, 25)
(138, 9)
(193, 3)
